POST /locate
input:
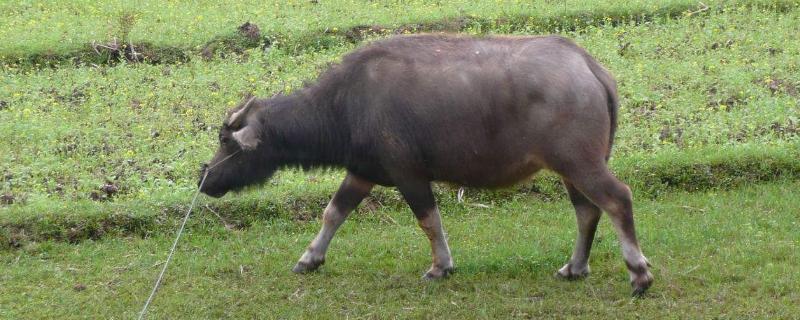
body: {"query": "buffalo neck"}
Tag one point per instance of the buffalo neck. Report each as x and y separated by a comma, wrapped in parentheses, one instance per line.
(302, 131)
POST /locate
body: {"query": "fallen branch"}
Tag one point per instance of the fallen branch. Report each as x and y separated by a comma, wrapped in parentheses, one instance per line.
(134, 54)
(703, 7)
(385, 217)
(225, 223)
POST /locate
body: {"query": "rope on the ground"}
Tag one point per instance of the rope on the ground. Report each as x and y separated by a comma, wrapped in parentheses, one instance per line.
(177, 237)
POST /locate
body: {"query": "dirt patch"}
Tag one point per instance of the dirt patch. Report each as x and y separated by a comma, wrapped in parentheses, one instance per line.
(136, 104)
(542, 25)
(643, 109)
(7, 199)
(115, 51)
(18, 233)
(199, 125)
(3, 105)
(306, 209)
(96, 196)
(773, 51)
(81, 232)
(722, 101)
(369, 205)
(784, 130)
(250, 31)
(14, 236)
(106, 192)
(673, 134)
(726, 104)
(58, 189)
(247, 36)
(228, 221)
(777, 85)
(360, 32)
(74, 98)
(109, 189)
(726, 44)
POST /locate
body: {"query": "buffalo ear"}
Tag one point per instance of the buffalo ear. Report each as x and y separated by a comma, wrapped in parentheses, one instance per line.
(247, 138)
(237, 117)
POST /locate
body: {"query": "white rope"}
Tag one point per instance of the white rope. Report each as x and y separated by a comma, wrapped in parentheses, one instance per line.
(177, 237)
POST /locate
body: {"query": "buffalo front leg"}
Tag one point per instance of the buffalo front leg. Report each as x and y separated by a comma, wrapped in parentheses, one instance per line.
(587, 215)
(422, 202)
(352, 190)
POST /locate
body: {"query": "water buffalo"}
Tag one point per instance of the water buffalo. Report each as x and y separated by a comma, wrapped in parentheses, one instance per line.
(483, 112)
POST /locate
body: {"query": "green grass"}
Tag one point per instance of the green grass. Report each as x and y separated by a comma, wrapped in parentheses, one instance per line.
(28, 26)
(698, 111)
(297, 196)
(168, 29)
(708, 140)
(725, 254)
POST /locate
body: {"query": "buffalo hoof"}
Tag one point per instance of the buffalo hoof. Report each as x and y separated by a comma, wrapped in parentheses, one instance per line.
(570, 272)
(306, 267)
(438, 273)
(641, 283)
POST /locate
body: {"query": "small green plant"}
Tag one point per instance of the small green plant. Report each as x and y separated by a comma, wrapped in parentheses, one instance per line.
(125, 23)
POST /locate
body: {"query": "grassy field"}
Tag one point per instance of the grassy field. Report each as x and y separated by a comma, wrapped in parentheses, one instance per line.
(27, 27)
(99, 156)
(725, 254)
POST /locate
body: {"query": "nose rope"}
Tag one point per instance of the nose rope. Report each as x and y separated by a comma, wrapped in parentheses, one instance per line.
(221, 161)
(178, 236)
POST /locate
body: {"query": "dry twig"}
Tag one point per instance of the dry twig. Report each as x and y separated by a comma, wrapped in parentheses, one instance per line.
(703, 7)
(225, 223)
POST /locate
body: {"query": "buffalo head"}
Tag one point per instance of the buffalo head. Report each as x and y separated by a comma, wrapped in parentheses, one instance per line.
(242, 158)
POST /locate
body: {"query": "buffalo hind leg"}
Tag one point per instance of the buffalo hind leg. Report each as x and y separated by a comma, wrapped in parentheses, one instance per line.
(614, 197)
(422, 202)
(587, 215)
(352, 190)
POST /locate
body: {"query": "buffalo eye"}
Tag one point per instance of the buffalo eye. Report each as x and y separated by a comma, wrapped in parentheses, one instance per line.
(223, 139)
